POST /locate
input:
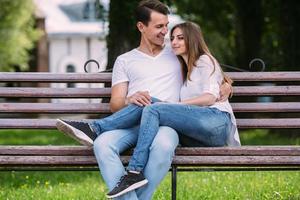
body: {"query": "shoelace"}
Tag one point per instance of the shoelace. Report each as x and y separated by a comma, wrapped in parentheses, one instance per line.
(121, 179)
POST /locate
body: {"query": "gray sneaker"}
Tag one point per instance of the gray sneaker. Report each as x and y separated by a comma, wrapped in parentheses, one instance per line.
(78, 130)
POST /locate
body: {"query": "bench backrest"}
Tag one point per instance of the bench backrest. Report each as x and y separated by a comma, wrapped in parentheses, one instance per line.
(261, 99)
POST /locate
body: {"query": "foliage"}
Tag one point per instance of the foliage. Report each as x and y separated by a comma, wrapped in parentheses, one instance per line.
(239, 30)
(216, 19)
(17, 33)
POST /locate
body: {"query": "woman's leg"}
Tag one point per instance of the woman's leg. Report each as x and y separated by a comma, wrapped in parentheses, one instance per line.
(125, 118)
(207, 125)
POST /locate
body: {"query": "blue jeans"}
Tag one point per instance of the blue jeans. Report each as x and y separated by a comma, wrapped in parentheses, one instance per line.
(210, 126)
(109, 145)
(127, 117)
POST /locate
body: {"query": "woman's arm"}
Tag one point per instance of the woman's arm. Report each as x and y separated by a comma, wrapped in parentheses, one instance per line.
(204, 100)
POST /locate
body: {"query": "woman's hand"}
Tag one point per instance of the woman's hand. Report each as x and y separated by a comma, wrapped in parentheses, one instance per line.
(225, 91)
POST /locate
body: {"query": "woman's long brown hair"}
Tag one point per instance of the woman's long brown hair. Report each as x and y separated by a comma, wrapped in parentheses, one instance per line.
(196, 47)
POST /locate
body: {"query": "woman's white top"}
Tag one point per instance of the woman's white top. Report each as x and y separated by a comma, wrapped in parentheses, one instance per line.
(204, 80)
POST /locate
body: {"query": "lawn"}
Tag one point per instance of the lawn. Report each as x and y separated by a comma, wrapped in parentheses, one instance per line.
(196, 185)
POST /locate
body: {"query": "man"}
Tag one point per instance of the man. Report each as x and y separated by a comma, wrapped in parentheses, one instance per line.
(149, 70)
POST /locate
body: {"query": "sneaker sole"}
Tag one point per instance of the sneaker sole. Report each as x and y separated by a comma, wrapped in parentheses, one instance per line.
(132, 187)
(74, 133)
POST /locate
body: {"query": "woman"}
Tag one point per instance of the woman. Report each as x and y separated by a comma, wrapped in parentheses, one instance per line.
(198, 115)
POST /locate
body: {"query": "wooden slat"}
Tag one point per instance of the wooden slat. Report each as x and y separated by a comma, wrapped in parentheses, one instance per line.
(54, 108)
(265, 76)
(269, 123)
(179, 160)
(106, 77)
(104, 107)
(242, 123)
(180, 151)
(237, 160)
(55, 92)
(266, 90)
(266, 107)
(105, 92)
(47, 160)
(55, 77)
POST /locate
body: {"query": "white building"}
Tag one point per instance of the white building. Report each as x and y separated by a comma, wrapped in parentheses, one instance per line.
(73, 35)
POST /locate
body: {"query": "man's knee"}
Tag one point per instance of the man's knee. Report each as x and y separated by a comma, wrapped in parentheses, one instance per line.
(103, 147)
(166, 140)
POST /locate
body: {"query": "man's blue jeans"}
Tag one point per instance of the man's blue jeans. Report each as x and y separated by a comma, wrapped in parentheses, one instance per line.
(113, 139)
(109, 145)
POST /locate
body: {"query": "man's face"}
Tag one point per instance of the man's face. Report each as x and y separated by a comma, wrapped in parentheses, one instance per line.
(157, 28)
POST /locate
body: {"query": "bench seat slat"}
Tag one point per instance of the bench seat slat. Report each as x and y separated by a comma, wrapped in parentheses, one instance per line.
(55, 92)
(237, 160)
(179, 160)
(104, 107)
(242, 123)
(188, 151)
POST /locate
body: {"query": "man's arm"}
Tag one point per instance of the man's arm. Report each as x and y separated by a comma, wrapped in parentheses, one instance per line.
(118, 96)
(119, 100)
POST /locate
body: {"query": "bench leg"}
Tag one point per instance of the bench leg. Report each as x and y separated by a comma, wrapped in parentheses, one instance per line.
(174, 181)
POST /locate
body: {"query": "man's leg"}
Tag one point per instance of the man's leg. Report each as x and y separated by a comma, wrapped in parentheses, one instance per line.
(107, 148)
(159, 162)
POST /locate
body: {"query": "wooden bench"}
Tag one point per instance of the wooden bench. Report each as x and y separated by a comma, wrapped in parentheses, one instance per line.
(281, 113)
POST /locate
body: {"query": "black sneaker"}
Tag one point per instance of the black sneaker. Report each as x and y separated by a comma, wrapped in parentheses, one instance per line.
(78, 130)
(127, 183)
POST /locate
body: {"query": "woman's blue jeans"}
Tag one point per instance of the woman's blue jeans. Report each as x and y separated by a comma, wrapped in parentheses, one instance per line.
(127, 117)
(209, 126)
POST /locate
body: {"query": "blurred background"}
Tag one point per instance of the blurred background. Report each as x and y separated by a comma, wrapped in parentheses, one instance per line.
(60, 35)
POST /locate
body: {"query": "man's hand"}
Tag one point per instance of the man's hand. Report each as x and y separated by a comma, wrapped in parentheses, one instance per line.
(141, 98)
(225, 91)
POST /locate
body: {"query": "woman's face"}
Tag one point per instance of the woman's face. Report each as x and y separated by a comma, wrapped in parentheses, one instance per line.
(177, 42)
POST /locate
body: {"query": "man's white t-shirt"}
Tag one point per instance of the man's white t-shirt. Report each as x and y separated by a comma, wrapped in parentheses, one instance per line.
(159, 75)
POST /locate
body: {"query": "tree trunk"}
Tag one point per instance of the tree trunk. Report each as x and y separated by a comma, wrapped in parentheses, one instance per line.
(289, 34)
(249, 21)
(123, 34)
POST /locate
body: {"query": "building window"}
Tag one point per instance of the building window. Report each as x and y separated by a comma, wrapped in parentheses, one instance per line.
(70, 69)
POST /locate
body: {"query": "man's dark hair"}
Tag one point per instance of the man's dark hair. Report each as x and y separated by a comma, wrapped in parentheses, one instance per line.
(145, 7)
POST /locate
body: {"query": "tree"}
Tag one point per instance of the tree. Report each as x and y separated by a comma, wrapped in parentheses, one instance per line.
(249, 22)
(290, 33)
(239, 30)
(123, 34)
(17, 33)
(216, 19)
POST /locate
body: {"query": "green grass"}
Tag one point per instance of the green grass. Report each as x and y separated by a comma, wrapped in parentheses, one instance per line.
(34, 137)
(197, 185)
(191, 185)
